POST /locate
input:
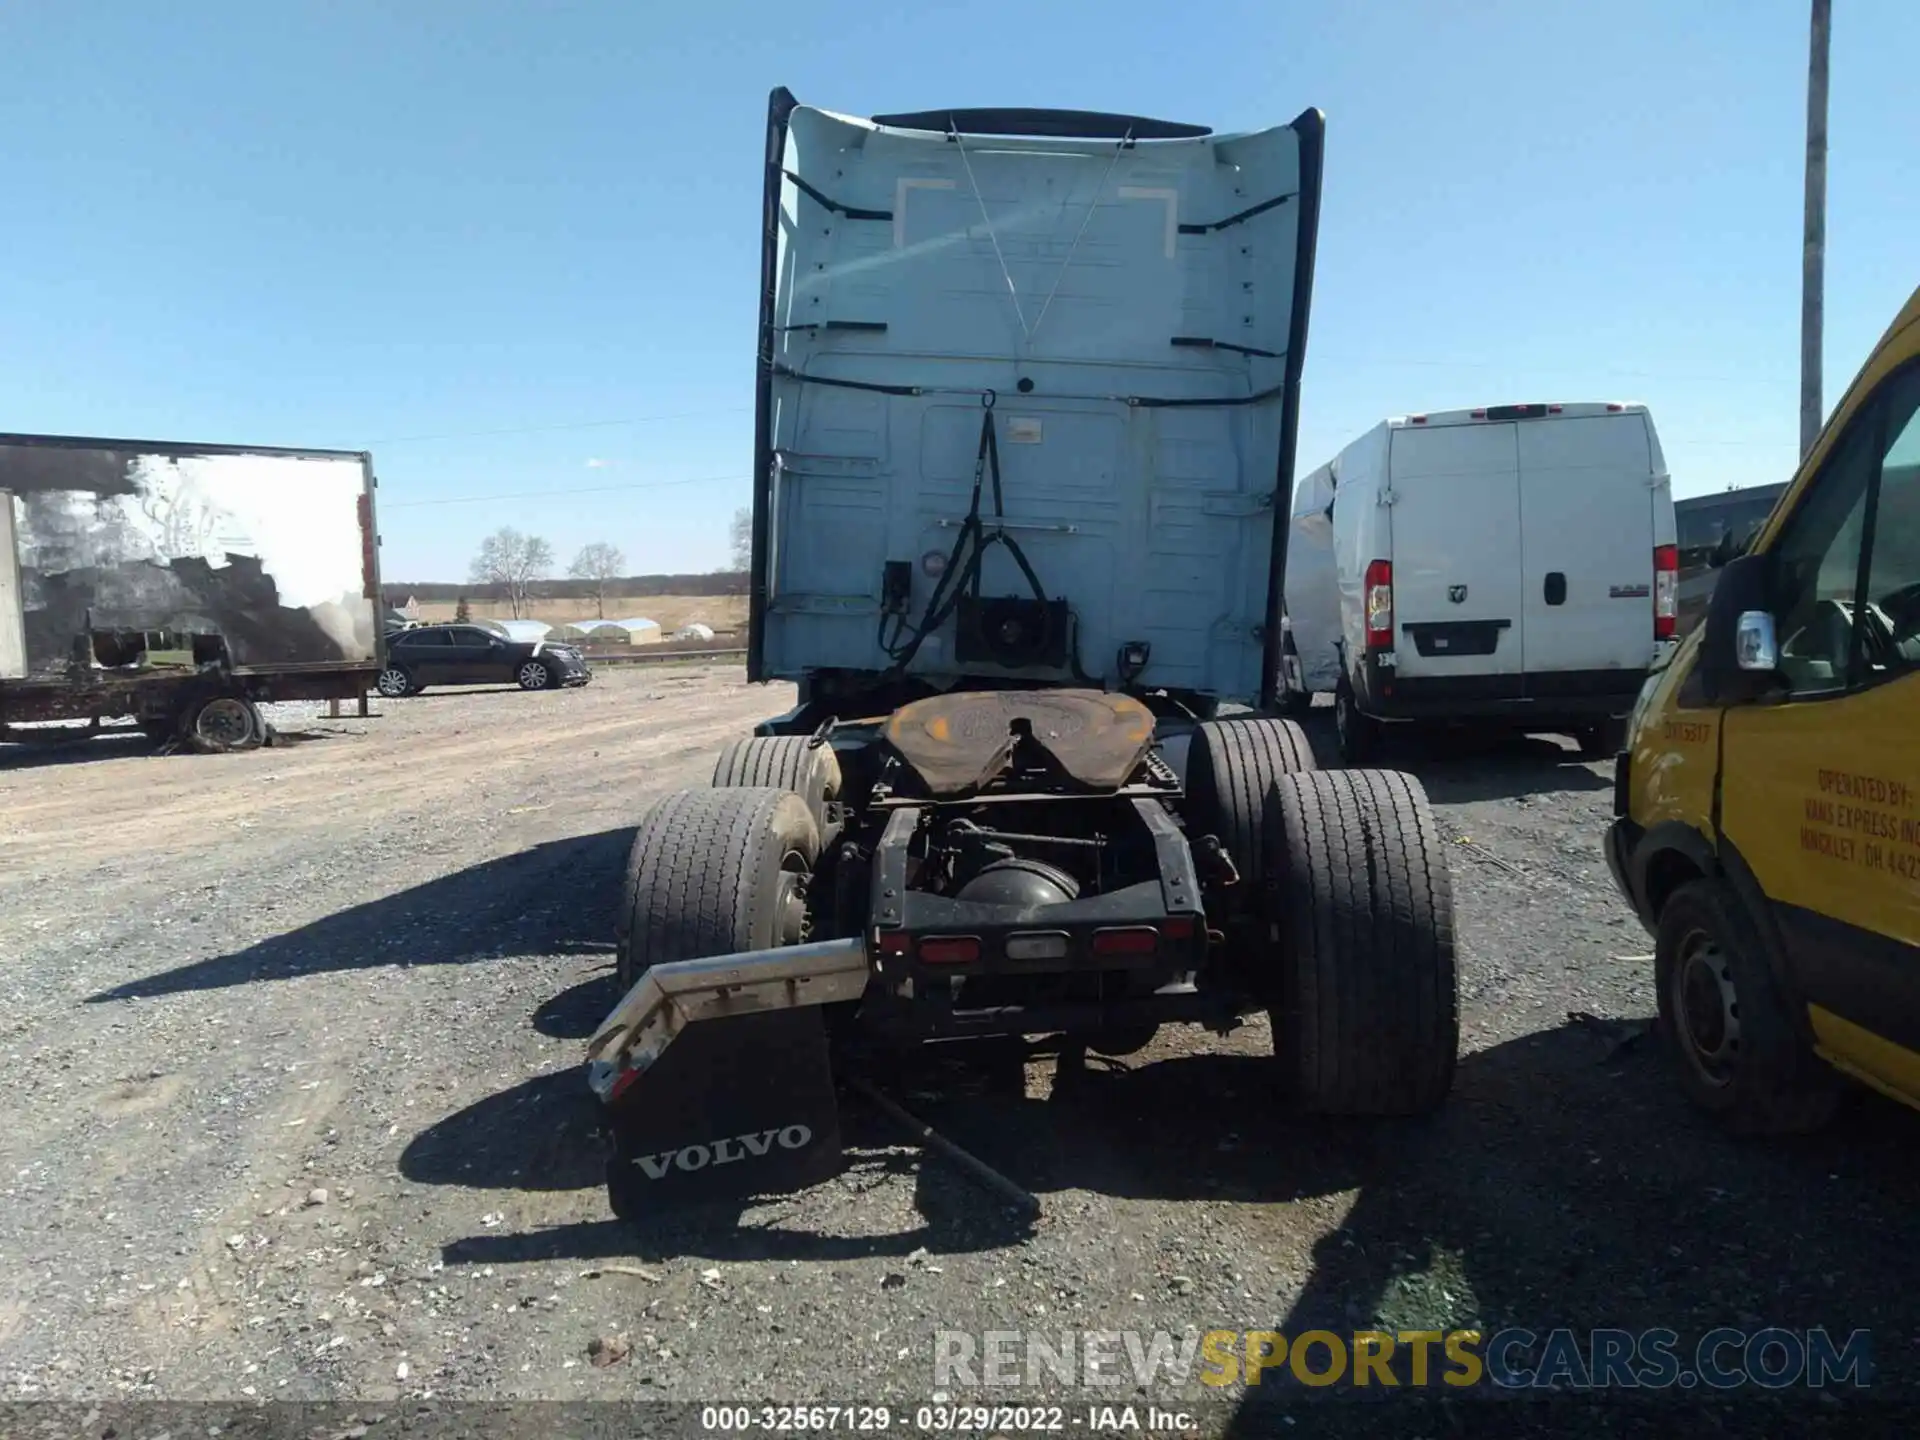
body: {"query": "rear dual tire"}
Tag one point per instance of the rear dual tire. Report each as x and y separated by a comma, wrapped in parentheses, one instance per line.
(1362, 924)
(1232, 767)
(712, 872)
(782, 762)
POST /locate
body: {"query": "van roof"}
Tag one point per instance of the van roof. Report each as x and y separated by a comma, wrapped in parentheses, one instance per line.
(1536, 410)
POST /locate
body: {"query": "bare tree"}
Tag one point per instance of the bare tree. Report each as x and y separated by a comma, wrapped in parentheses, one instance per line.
(512, 562)
(740, 538)
(597, 564)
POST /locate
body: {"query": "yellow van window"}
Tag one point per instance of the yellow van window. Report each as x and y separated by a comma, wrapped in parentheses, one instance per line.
(1893, 573)
(1818, 574)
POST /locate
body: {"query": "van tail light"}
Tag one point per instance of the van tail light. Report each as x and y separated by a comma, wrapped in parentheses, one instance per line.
(1666, 590)
(1379, 592)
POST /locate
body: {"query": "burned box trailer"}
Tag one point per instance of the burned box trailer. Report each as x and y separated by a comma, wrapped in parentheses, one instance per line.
(179, 586)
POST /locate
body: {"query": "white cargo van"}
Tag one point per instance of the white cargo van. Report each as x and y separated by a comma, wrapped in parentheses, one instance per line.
(1310, 617)
(1512, 565)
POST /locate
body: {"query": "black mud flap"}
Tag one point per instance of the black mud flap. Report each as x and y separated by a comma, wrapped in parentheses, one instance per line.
(733, 1108)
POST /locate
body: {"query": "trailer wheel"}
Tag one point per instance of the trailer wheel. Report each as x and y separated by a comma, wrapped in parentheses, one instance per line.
(223, 724)
(1369, 1017)
(712, 872)
(782, 762)
(1231, 767)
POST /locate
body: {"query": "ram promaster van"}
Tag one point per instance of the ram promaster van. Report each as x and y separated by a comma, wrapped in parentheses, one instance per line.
(1513, 565)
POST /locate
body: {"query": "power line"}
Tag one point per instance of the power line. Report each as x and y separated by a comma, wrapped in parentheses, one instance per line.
(584, 490)
(556, 429)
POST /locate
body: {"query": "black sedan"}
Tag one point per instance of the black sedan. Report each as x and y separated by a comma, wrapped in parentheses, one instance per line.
(468, 655)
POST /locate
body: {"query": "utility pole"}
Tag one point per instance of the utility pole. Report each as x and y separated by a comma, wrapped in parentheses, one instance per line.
(1813, 262)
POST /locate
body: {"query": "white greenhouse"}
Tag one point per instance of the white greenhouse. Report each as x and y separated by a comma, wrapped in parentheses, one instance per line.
(637, 631)
(522, 631)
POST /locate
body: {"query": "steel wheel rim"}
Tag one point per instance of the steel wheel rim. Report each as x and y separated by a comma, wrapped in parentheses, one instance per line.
(1706, 1008)
(791, 925)
(533, 675)
(224, 722)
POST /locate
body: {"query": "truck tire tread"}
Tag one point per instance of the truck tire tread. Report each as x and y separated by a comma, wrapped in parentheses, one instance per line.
(1369, 1022)
(782, 762)
(1231, 769)
(702, 874)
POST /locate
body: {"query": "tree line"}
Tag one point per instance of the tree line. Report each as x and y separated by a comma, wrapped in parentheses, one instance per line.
(518, 568)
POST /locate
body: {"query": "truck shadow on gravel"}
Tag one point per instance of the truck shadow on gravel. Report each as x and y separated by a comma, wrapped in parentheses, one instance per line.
(44, 754)
(553, 899)
(541, 1135)
(1565, 1183)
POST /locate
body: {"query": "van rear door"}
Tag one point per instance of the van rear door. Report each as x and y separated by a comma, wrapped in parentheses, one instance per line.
(1455, 518)
(1587, 497)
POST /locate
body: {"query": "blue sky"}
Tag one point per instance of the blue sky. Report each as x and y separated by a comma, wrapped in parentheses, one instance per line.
(512, 248)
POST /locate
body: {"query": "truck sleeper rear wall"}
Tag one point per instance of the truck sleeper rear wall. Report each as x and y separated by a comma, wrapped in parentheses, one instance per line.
(1139, 311)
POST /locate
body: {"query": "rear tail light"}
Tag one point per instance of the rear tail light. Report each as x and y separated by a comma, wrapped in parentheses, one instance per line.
(1127, 940)
(1666, 590)
(1379, 591)
(893, 942)
(949, 949)
(1178, 927)
(1037, 945)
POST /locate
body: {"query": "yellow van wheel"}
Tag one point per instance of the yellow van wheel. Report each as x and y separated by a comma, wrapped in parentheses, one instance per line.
(1729, 1029)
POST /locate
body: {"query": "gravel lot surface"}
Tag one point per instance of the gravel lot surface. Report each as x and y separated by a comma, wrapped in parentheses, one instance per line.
(294, 1109)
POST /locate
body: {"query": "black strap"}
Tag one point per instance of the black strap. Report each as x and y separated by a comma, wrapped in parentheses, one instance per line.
(852, 212)
(961, 577)
(1152, 402)
(1240, 218)
(787, 372)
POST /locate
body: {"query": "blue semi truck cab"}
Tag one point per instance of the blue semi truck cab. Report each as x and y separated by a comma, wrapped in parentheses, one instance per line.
(1027, 404)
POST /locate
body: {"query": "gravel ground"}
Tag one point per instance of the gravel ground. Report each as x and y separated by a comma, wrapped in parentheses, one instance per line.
(291, 1053)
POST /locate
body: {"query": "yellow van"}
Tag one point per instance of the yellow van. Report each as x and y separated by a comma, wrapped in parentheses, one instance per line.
(1767, 807)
